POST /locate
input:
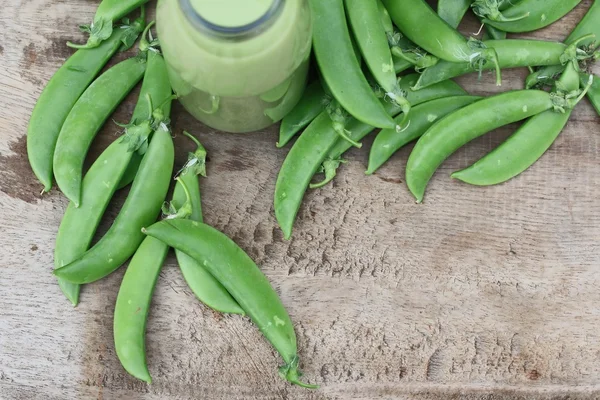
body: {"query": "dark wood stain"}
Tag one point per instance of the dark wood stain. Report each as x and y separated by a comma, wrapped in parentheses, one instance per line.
(534, 375)
(389, 180)
(16, 177)
(29, 56)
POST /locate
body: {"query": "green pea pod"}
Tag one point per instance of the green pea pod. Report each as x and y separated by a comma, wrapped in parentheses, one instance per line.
(369, 33)
(79, 225)
(99, 184)
(135, 293)
(60, 95)
(339, 67)
(521, 150)
(594, 92)
(453, 11)
(405, 54)
(86, 118)
(108, 12)
(359, 131)
(315, 145)
(157, 86)
(133, 306)
(544, 76)
(229, 264)
(466, 124)
(291, 97)
(587, 26)
(423, 26)
(422, 118)
(140, 209)
(206, 288)
(525, 16)
(302, 162)
(512, 53)
(400, 64)
(494, 33)
(313, 102)
(518, 153)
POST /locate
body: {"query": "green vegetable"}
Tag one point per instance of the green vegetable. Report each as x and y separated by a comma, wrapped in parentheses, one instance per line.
(60, 95)
(133, 306)
(206, 288)
(339, 66)
(424, 27)
(108, 12)
(453, 11)
(512, 53)
(470, 122)
(319, 143)
(525, 16)
(231, 266)
(313, 102)
(85, 120)
(422, 118)
(587, 26)
(359, 131)
(370, 35)
(140, 209)
(521, 150)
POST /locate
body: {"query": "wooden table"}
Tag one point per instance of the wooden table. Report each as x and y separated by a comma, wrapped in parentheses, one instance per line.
(475, 294)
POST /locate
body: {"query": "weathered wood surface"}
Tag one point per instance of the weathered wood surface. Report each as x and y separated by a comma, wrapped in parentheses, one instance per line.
(476, 294)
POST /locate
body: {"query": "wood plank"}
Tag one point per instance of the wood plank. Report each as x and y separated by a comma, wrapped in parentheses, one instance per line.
(475, 294)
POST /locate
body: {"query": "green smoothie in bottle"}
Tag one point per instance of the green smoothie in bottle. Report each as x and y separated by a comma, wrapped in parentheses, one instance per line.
(236, 65)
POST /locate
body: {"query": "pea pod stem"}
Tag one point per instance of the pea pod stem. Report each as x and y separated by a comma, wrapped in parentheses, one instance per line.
(490, 10)
(108, 12)
(400, 46)
(339, 118)
(329, 168)
(420, 60)
(236, 271)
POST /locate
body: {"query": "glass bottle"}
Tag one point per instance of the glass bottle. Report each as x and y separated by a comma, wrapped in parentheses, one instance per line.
(236, 65)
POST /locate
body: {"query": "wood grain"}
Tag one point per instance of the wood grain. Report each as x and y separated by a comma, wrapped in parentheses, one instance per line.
(475, 294)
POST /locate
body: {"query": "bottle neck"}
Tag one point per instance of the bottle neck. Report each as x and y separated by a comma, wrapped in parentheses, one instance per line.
(237, 33)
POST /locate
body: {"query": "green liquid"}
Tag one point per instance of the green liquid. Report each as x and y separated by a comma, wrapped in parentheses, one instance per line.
(237, 84)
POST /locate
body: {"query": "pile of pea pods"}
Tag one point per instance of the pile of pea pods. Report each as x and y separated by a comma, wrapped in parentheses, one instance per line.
(388, 64)
(70, 111)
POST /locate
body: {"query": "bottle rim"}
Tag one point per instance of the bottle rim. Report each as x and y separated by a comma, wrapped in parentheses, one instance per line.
(232, 32)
